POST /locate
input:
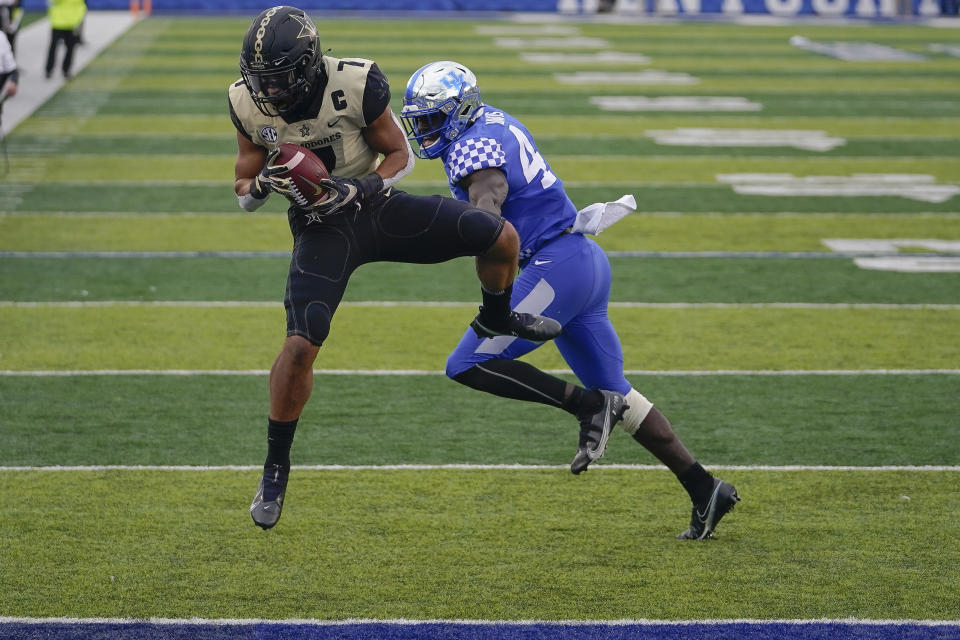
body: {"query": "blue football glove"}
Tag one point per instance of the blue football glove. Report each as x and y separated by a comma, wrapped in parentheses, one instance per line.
(347, 194)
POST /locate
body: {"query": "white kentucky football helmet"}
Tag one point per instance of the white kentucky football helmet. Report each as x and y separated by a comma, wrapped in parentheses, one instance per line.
(440, 101)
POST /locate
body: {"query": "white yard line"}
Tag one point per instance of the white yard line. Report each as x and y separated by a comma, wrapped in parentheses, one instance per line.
(443, 303)
(776, 255)
(426, 372)
(474, 467)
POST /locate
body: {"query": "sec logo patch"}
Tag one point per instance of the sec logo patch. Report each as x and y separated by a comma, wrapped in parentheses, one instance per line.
(269, 134)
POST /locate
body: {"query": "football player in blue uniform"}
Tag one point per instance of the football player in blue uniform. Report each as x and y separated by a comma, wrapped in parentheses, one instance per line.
(492, 161)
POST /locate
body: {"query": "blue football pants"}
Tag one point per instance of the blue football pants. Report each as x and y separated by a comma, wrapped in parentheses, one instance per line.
(568, 279)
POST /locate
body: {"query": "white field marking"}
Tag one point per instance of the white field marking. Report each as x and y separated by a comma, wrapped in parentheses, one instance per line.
(223, 303)
(675, 103)
(479, 467)
(81, 304)
(600, 57)
(425, 372)
(949, 49)
(803, 255)
(920, 187)
(474, 622)
(232, 217)
(907, 264)
(149, 255)
(573, 42)
(856, 51)
(53, 255)
(143, 254)
(526, 31)
(809, 140)
(651, 76)
(866, 246)
(894, 260)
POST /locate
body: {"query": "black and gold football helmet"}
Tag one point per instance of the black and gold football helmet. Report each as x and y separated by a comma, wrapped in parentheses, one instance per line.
(280, 59)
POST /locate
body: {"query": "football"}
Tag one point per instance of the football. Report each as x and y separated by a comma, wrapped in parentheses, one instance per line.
(305, 171)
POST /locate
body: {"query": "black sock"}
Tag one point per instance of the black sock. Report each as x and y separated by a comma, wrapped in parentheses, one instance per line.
(496, 306)
(697, 481)
(583, 402)
(279, 441)
(515, 380)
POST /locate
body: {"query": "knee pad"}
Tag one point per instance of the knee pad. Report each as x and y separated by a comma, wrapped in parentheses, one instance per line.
(639, 408)
(480, 229)
(317, 321)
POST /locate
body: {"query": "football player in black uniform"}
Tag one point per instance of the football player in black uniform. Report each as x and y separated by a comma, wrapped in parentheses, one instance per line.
(339, 108)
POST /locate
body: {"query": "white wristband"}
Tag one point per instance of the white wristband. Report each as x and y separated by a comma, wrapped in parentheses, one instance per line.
(249, 203)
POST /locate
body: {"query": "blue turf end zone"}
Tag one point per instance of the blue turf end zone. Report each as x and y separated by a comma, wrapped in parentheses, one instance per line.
(479, 631)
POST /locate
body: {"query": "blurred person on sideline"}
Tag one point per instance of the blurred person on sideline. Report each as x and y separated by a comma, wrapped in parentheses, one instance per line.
(8, 72)
(491, 160)
(11, 14)
(66, 20)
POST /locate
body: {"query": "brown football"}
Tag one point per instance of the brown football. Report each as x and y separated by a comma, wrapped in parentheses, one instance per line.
(305, 171)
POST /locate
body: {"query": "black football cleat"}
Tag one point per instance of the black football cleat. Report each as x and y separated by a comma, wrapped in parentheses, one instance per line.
(707, 514)
(268, 503)
(520, 325)
(595, 430)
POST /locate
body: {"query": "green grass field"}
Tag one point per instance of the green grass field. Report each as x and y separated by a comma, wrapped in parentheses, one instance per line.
(140, 309)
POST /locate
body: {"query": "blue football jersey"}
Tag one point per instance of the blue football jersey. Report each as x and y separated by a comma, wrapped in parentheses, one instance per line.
(536, 203)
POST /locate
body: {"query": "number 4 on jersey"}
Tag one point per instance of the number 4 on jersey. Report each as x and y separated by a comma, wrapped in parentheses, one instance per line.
(531, 161)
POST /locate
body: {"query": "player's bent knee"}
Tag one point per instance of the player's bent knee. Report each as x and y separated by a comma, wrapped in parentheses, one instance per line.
(508, 242)
(638, 409)
(315, 325)
(456, 366)
(485, 231)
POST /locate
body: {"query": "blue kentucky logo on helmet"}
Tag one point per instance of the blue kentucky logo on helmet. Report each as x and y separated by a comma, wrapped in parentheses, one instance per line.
(453, 80)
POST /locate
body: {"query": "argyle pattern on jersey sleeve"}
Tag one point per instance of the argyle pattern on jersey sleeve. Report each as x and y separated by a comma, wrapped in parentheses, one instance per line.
(468, 156)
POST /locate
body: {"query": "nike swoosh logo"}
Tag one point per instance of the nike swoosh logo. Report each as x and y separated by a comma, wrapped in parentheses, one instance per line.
(597, 452)
(334, 121)
(540, 262)
(334, 204)
(706, 511)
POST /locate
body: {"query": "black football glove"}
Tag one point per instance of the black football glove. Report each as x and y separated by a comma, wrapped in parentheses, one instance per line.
(347, 193)
(270, 178)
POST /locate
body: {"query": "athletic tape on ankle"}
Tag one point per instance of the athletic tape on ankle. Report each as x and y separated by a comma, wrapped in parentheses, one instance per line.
(636, 413)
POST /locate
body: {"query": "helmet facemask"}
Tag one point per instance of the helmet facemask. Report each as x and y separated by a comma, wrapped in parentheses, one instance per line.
(279, 90)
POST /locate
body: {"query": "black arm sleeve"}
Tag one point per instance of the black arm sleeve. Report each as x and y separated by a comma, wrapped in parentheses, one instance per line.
(376, 95)
(13, 75)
